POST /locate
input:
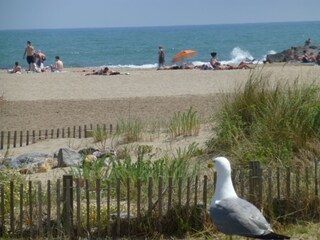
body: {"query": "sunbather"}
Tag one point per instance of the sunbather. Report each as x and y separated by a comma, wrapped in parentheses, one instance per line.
(103, 71)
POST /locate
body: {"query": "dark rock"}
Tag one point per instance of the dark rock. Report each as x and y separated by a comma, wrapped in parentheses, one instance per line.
(298, 52)
(69, 158)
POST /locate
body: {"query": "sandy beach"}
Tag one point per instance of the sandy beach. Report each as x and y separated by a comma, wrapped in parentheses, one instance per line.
(36, 101)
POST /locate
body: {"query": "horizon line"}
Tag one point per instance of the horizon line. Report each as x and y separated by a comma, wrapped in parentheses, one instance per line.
(152, 26)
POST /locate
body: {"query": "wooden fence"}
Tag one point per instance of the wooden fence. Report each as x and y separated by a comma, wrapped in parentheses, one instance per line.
(123, 207)
(24, 138)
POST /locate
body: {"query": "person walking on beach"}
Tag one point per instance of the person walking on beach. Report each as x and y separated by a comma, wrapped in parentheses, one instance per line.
(30, 57)
(161, 59)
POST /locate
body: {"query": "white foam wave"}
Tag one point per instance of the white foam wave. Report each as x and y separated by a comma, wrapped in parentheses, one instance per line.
(238, 55)
(143, 66)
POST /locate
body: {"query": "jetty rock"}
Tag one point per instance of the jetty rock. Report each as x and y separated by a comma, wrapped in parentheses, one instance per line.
(298, 51)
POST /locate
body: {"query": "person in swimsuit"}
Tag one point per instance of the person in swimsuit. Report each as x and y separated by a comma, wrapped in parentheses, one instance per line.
(103, 71)
(58, 66)
(30, 57)
(41, 58)
(16, 68)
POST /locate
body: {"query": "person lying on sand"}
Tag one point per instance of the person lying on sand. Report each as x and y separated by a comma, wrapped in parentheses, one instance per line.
(178, 67)
(103, 71)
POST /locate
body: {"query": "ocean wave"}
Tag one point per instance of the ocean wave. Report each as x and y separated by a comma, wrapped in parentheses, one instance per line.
(143, 66)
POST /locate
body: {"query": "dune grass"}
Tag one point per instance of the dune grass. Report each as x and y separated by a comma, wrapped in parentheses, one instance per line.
(264, 121)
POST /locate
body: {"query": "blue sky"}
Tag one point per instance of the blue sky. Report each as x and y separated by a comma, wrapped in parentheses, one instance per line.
(27, 14)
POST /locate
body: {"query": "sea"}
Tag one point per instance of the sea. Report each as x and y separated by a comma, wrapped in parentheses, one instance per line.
(137, 47)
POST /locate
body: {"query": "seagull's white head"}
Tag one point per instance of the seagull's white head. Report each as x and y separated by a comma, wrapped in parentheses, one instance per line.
(224, 186)
(222, 165)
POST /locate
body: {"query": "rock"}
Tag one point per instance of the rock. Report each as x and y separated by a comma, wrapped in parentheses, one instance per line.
(69, 158)
(88, 151)
(298, 51)
(33, 162)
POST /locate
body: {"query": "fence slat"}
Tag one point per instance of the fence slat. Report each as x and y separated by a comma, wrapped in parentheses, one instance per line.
(15, 139)
(33, 136)
(21, 138)
(21, 209)
(8, 140)
(2, 138)
(98, 202)
(78, 200)
(139, 198)
(58, 199)
(30, 208)
(128, 204)
(150, 193)
(196, 191)
(49, 206)
(2, 210)
(205, 193)
(179, 192)
(88, 207)
(11, 207)
(118, 206)
(40, 228)
(108, 207)
(170, 194)
(160, 203)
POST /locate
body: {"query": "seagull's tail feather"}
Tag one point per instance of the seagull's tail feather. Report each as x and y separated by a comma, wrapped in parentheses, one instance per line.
(274, 236)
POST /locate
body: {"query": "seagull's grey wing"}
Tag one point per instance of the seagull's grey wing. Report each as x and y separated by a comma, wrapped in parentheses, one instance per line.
(235, 216)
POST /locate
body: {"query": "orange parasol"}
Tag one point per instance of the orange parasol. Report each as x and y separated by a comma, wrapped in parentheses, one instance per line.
(181, 56)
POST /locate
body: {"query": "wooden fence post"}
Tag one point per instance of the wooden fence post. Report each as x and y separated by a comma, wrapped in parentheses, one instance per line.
(2, 137)
(8, 142)
(33, 136)
(15, 139)
(67, 203)
(21, 137)
(27, 140)
(150, 193)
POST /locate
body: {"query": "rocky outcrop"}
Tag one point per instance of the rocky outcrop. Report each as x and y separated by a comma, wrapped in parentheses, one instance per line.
(35, 162)
(298, 52)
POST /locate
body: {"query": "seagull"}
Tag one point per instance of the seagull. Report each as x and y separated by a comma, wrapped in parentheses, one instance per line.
(233, 215)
